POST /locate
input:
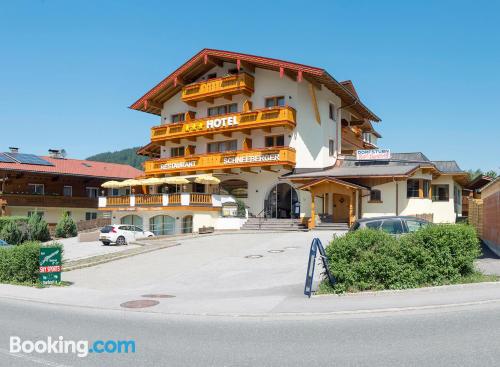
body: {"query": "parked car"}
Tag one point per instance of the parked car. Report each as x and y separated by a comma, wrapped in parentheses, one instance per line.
(4, 244)
(122, 234)
(394, 225)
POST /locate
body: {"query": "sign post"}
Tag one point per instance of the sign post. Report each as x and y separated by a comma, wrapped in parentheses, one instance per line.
(316, 246)
(50, 265)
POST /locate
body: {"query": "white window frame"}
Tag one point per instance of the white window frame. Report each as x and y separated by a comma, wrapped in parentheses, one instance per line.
(87, 190)
(70, 190)
(35, 185)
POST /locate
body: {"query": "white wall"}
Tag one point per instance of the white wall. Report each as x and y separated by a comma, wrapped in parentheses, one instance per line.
(52, 215)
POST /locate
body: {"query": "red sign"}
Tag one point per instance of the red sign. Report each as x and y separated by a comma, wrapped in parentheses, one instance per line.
(50, 269)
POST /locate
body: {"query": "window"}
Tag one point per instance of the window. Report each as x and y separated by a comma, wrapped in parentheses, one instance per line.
(374, 225)
(222, 146)
(68, 190)
(93, 192)
(331, 147)
(68, 213)
(177, 152)
(367, 137)
(426, 188)
(40, 214)
(200, 188)
(375, 196)
(90, 215)
(440, 193)
(332, 112)
(36, 189)
(275, 101)
(222, 110)
(275, 141)
(232, 71)
(211, 76)
(178, 117)
(415, 225)
(412, 188)
(392, 226)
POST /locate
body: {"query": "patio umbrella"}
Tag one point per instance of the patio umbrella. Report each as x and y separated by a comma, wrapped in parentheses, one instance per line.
(207, 180)
(175, 180)
(130, 182)
(111, 184)
(153, 181)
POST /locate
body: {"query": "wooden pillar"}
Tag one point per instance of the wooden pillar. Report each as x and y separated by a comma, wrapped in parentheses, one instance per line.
(312, 221)
(352, 200)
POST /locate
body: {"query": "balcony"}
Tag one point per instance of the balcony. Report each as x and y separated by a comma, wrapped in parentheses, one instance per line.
(178, 201)
(352, 141)
(242, 121)
(49, 201)
(219, 87)
(264, 158)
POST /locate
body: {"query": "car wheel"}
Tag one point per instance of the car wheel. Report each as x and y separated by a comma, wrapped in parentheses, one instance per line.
(120, 241)
(150, 236)
(105, 243)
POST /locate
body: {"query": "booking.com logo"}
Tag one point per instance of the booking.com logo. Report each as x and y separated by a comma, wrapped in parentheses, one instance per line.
(81, 348)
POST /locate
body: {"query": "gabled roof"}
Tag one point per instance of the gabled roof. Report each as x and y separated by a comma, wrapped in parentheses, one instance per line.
(448, 166)
(76, 167)
(349, 85)
(479, 182)
(205, 60)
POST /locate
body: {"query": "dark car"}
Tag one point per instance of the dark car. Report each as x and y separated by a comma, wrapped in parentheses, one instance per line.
(4, 244)
(394, 225)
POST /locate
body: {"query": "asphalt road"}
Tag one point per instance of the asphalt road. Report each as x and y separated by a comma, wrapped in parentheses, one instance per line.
(446, 337)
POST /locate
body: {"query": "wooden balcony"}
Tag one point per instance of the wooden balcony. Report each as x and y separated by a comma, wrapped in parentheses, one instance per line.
(242, 121)
(264, 158)
(220, 87)
(177, 201)
(352, 141)
(49, 201)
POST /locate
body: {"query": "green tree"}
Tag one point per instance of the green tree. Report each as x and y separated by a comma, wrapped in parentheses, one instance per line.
(37, 229)
(12, 233)
(125, 156)
(66, 227)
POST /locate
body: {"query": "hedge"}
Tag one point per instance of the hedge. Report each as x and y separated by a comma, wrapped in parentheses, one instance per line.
(16, 219)
(16, 230)
(374, 260)
(19, 264)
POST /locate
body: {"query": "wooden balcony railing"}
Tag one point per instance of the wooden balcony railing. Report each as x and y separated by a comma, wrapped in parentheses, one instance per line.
(200, 199)
(175, 200)
(219, 87)
(258, 119)
(263, 157)
(118, 200)
(151, 199)
(48, 201)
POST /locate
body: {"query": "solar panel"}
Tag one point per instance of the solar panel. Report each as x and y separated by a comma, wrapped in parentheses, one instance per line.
(5, 159)
(28, 159)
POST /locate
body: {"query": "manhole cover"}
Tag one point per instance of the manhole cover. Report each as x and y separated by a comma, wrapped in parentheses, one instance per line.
(275, 251)
(253, 256)
(142, 303)
(157, 296)
(291, 248)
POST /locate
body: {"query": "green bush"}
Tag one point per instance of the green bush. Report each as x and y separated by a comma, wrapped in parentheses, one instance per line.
(16, 219)
(374, 260)
(19, 264)
(13, 233)
(241, 210)
(37, 229)
(66, 227)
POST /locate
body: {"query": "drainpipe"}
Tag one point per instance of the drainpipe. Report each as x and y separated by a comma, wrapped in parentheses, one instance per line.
(397, 196)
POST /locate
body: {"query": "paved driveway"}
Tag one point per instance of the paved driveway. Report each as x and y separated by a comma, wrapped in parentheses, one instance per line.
(74, 250)
(488, 263)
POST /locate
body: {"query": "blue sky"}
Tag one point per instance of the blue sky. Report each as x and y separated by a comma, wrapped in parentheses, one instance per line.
(429, 69)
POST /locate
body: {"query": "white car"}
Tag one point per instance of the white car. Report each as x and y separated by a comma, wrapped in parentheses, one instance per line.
(122, 234)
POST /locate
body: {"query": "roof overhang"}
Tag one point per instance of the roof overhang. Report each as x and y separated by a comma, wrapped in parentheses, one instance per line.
(206, 59)
(323, 180)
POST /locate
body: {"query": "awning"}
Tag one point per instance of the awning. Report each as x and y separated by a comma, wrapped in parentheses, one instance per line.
(206, 179)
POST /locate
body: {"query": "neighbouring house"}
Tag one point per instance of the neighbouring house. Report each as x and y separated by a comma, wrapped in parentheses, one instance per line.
(490, 233)
(473, 191)
(287, 139)
(50, 185)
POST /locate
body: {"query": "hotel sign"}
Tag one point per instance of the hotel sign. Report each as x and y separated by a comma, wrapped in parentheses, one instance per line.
(222, 122)
(373, 154)
(252, 159)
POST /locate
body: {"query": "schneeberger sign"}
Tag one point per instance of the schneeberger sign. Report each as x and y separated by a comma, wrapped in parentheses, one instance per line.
(50, 265)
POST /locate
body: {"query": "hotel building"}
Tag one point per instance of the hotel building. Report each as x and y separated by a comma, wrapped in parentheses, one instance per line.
(280, 136)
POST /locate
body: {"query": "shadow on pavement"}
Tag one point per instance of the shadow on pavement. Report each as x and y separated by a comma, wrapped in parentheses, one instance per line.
(487, 253)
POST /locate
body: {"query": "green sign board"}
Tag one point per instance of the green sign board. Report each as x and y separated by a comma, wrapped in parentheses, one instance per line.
(50, 265)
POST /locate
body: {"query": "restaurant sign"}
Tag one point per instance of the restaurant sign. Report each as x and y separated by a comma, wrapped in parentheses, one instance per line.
(50, 265)
(175, 165)
(373, 154)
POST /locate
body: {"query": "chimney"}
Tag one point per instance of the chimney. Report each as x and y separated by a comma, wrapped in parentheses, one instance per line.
(14, 149)
(54, 153)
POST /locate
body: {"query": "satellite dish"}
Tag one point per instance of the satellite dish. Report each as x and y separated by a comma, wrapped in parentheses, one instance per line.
(63, 153)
